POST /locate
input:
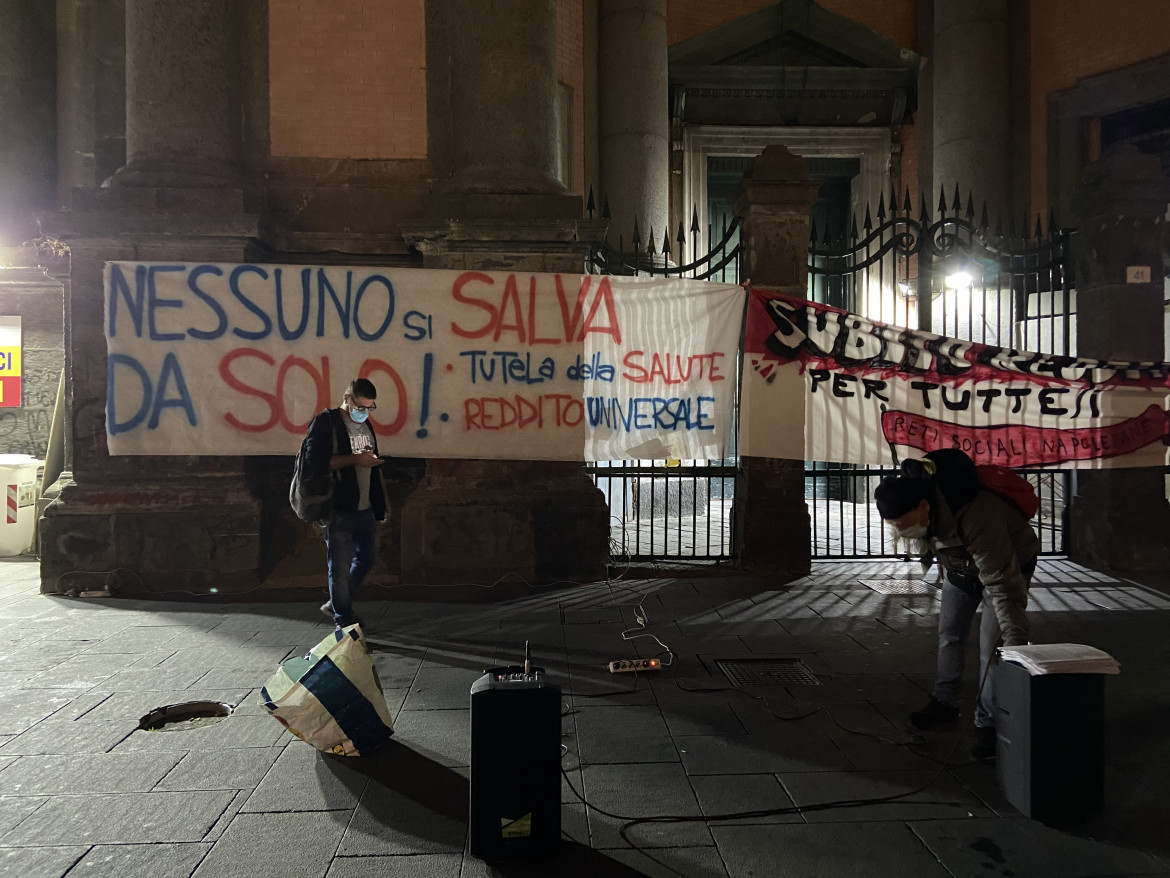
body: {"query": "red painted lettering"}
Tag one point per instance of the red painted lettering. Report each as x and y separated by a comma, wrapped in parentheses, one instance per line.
(457, 294)
(225, 372)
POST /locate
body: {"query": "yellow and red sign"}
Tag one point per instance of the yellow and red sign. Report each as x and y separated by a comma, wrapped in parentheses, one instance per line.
(9, 362)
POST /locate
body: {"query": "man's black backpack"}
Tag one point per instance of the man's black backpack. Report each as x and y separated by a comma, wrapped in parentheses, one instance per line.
(311, 494)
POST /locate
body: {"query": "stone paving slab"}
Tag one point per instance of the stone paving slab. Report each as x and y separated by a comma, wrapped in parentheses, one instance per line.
(276, 846)
(923, 795)
(826, 851)
(304, 779)
(219, 769)
(642, 790)
(88, 773)
(23, 708)
(387, 821)
(442, 735)
(47, 862)
(14, 809)
(413, 866)
(1025, 847)
(126, 818)
(726, 794)
(155, 860)
(624, 734)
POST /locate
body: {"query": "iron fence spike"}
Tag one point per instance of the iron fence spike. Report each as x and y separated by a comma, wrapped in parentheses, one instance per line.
(942, 200)
(637, 239)
(970, 206)
(853, 228)
(1039, 232)
(868, 226)
(956, 202)
(605, 214)
(589, 205)
(881, 211)
(906, 205)
(682, 236)
(695, 218)
(665, 242)
(650, 251)
(893, 200)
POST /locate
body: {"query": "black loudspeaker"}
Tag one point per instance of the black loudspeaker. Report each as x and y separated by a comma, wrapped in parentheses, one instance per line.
(1050, 731)
(515, 764)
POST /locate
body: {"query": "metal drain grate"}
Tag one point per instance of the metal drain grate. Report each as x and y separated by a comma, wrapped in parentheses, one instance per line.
(767, 672)
(899, 586)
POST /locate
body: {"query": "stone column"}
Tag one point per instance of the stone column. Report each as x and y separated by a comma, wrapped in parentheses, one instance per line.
(1119, 518)
(773, 528)
(91, 93)
(972, 101)
(503, 95)
(182, 93)
(634, 123)
(499, 207)
(27, 115)
(154, 525)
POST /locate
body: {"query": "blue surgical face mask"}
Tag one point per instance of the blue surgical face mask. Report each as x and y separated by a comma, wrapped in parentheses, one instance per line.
(358, 415)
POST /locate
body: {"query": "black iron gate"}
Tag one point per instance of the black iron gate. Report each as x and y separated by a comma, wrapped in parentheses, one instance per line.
(953, 275)
(671, 510)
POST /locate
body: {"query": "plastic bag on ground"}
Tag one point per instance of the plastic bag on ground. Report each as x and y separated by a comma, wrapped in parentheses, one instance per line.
(331, 697)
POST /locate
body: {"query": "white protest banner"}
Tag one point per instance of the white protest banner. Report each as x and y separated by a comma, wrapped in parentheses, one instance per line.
(824, 384)
(236, 359)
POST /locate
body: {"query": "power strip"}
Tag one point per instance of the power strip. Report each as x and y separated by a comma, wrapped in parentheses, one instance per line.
(623, 666)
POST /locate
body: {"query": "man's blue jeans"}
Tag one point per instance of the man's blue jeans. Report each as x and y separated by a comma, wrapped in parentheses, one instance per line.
(349, 542)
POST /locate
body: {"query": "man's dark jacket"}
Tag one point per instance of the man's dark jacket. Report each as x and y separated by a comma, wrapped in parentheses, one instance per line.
(324, 427)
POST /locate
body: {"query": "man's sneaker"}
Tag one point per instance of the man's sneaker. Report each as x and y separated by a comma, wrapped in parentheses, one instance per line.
(327, 609)
(934, 714)
(984, 746)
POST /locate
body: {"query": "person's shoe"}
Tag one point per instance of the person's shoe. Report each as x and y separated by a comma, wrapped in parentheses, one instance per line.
(934, 714)
(984, 746)
(327, 609)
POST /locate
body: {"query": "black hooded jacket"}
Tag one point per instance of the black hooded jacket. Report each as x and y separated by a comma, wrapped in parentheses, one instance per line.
(321, 436)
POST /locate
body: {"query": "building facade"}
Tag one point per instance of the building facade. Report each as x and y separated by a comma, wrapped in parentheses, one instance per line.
(471, 134)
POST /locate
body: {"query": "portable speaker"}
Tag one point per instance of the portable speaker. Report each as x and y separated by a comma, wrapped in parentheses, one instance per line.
(515, 764)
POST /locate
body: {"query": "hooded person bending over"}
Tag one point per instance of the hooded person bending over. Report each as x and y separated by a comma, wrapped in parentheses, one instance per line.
(988, 550)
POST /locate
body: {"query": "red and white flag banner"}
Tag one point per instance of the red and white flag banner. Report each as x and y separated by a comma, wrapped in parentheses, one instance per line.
(820, 383)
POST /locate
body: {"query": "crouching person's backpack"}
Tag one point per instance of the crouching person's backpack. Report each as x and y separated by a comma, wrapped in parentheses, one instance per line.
(311, 494)
(960, 479)
(1011, 486)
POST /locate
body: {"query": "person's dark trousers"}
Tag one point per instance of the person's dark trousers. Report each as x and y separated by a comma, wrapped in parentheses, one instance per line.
(349, 542)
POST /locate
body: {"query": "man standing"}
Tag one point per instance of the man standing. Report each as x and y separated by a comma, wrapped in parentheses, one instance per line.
(988, 550)
(342, 443)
